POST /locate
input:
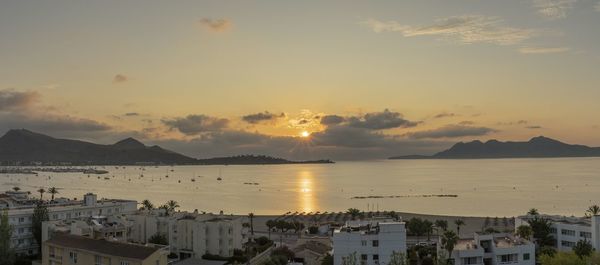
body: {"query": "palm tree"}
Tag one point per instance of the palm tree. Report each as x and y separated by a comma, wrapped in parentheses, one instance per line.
(441, 224)
(270, 225)
(53, 191)
(353, 212)
(458, 223)
(16, 189)
(428, 227)
(172, 205)
(251, 216)
(449, 240)
(146, 204)
(593, 210)
(41, 191)
(524, 231)
(533, 211)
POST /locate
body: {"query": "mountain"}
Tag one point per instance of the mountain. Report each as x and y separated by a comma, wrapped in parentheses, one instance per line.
(26, 147)
(537, 147)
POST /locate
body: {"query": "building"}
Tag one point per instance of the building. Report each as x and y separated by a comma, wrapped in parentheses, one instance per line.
(20, 208)
(113, 228)
(491, 249)
(567, 231)
(190, 235)
(71, 249)
(369, 242)
(311, 250)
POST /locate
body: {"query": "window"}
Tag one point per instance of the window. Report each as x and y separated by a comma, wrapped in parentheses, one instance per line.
(21, 230)
(567, 232)
(553, 230)
(375, 243)
(51, 252)
(21, 219)
(376, 259)
(73, 257)
(97, 260)
(123, 262)
(526, 256)
(585, 234)
(565, 243)
(363, 243)
(510, 258)
(363, 259)
(470, 260)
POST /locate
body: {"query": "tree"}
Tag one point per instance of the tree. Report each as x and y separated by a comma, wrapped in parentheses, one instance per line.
(271, 224)
(533, 211)
(327, 260)
(251, 216)
(40, 214)
(353, 212)
(428, 228)
(41, 191)
(449, 240)
(562, 258)
(416, 226)
(53, 191)
(592, 211)
(524, 231)
(398, 258)
(441, 224)
(458, 223)
(172, 205)
(583, 248)
(147, 205)
(542, 229)
(7, 254)
(159, 239)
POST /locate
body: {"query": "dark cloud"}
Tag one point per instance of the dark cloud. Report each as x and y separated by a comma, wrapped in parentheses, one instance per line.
(509, 123)
(332, 119)
(12, 100)
(444, 115)
(533, 127)
(451, 131)
(216, 25)
(262, 117)
(196, 124)
(59, 125)
(380, 121)
(120, 78)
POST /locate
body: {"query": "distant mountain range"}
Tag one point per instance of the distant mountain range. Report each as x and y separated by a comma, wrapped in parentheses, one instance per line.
(537, 147)
(26, 148)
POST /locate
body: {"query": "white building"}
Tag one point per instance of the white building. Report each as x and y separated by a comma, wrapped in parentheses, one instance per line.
(567, 231)
(491, 249)
(369, 242)
(111, 228)
(191, 235)
(20, 211)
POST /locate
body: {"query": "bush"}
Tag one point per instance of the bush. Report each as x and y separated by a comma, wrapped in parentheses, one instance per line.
(263, 240)
(313, 230)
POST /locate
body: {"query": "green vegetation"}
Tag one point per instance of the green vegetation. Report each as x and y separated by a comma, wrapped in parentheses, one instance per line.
(458, 223)
(159, 239)
(353, 212)
(327, 260)
(569, 258)
(583, 249)
(40, 214)
(449, 240)
(441, 224)
(524, 231)
(280, 256)
(592, 210)
(419, 227)
(7, 254)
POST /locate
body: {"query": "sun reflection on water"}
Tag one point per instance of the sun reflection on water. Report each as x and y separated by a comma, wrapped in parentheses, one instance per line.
(306, 199)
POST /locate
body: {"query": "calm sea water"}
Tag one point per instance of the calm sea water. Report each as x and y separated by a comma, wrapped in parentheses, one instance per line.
(495, 187)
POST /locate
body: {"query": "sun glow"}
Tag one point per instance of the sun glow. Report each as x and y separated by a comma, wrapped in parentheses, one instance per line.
(304, 134)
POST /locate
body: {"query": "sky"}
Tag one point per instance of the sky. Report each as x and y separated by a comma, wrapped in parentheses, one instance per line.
(302, 79)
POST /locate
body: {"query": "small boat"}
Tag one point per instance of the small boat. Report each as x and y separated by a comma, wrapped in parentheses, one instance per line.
(193, 180)
(219, 178)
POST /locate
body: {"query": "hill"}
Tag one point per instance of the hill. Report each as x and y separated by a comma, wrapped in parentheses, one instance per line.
(537, 147)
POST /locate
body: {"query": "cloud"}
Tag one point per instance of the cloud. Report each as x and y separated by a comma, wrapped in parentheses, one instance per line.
(451, 131)
(466, 123)
(553, 9)
(444, 115)
(380, 121)
(533, 127)
(196, 124)
(11, 99)
(216, 25)
(332, 119)
(509, 123)
(120, 78)
(543, 50)
(262, 117)
(467, 29)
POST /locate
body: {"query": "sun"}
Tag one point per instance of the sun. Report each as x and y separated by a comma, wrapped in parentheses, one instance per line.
(304, 134)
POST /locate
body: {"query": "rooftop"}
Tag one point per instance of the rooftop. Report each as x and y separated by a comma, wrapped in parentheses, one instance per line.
(124, 250)
(560, 219)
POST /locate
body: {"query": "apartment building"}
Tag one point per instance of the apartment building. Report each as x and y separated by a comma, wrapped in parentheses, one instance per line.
(369, 242)
(71, 249)
(491, 249)
(567, 231)
(20, 207)
(113, 228)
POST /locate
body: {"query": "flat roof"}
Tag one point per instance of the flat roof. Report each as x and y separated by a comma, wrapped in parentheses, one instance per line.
(124, 250)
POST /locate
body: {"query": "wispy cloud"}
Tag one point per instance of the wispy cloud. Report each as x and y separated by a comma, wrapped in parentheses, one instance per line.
(120, 78)
(216, 25)
(262, 117)
(466, 29)
(451, 131)
(11, 99)
(196, 124)
(553, 9)
(543, 50)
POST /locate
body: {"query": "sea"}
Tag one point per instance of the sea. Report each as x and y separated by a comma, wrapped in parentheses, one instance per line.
(478, 187)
